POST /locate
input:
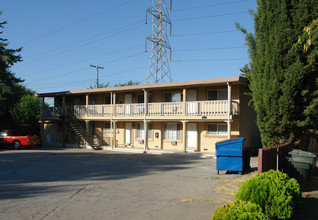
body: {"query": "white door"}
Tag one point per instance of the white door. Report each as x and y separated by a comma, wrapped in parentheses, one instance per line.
(192, 135)
(128, 101)
(191, 102)
(128, 133)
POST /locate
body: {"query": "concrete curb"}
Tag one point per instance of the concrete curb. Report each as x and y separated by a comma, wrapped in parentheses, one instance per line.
(159, 152)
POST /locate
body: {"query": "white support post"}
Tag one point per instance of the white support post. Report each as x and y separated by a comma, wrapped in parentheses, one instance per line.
(145, 121)
(86, 104)
(184, 134)
(111, 120)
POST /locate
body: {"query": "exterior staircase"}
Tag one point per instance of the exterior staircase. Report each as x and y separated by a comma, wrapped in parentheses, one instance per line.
(81, 131)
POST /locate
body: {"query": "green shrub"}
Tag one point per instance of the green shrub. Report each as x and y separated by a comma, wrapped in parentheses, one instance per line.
(239, 210)
(274, 192)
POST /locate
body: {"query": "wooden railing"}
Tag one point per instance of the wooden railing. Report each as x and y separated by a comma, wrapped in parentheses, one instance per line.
(130, 109)
(197, 108)
(165, 108)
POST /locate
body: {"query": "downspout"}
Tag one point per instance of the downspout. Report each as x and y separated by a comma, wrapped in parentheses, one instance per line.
(228, 110)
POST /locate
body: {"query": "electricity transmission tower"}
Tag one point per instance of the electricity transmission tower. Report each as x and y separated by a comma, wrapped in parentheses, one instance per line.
(159, 69)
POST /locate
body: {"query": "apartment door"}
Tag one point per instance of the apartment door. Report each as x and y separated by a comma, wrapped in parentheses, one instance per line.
(128, 101)
(191, 102)
(192, 135)
(128, 133)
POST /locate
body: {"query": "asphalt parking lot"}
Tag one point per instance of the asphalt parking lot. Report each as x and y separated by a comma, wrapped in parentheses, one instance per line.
(57, 183)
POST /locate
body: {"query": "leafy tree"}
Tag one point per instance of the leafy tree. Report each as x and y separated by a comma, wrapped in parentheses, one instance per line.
(10, 89)
(27, 111)
(129, 83)
(275, 71)
(100, 85)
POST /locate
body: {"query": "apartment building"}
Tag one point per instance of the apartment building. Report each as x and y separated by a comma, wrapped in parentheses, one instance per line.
(176, 116)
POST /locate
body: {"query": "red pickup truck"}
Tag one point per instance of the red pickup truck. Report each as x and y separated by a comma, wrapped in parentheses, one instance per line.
(10, 138)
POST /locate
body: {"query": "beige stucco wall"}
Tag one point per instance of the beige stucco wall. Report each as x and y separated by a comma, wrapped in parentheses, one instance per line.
(247, 125)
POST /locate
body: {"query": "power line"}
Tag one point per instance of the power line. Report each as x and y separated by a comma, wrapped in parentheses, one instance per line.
(70, 25)
(87, 59)
(203, 33)
(82, 45)
(86, 68)
(90, 38)
(210, 16)
(210, 60)
(206, 6)
(215, 48)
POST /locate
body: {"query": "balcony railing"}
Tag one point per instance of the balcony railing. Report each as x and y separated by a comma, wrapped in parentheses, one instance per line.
(165, 108)
(53, 112)
(210, 108)
(130, 109)
(197, 108)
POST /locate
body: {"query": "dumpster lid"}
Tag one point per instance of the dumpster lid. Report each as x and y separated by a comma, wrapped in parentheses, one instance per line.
(301, 153)
(231, 140)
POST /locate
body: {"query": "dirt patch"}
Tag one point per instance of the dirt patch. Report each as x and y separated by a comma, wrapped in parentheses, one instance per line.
(213, 200)
(229, 187)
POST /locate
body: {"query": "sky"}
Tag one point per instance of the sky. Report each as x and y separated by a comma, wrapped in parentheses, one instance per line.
(62, 38)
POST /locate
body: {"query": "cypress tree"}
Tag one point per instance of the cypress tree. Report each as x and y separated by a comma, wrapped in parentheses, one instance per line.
(276, 71)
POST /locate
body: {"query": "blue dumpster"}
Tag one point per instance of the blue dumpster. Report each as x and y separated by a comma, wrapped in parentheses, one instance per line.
(230, 156)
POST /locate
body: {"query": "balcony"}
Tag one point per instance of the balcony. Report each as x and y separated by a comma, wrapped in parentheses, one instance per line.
(130, 109)
(197, 108)
(165, 109)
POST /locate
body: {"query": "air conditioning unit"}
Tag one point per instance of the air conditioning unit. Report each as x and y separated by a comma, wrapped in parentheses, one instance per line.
(173, 142)
(140, 141)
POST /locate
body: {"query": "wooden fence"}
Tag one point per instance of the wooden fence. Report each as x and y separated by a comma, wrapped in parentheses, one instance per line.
(271, 157)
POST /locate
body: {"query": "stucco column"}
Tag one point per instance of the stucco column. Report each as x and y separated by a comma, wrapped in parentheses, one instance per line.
(86, 104)
(114, 104)
(146, 101)
(229, 108)
(184, 98)
(184, 136)
(41, 119)
(87, 130)
(114, 136)
(111, 120)
(146, 136)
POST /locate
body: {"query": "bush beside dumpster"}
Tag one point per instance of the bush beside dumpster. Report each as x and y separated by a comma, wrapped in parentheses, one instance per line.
(274, 192)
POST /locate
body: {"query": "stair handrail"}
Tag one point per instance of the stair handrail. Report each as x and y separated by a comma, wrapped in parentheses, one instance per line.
(70, 112)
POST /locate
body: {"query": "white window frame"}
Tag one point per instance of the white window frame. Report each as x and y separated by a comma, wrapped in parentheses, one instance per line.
(140, 131)
(219, 130)
(172, 131)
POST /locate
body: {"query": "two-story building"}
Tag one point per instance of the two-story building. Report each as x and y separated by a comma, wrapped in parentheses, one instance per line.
(176, 116)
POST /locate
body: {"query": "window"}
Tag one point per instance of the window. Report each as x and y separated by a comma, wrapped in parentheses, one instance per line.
(172, 131)
(217, 129)
(107, 100)
(220, 94)
(172, 97)
(140, 131)
(107, 126)
(140, 98)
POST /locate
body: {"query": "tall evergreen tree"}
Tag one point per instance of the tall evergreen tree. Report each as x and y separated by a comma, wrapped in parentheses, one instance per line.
(10, 89)
(276, 72)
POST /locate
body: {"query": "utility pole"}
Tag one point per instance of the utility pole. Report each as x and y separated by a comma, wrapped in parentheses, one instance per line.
(97, 67)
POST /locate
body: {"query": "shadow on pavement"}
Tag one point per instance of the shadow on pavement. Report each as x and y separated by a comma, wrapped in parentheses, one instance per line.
(26, 173)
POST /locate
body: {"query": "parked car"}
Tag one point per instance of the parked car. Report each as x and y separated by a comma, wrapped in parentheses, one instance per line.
(10, 138)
